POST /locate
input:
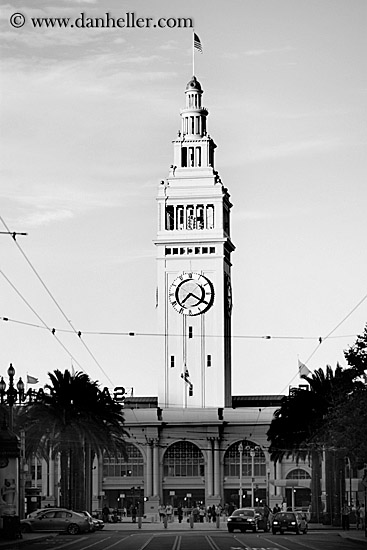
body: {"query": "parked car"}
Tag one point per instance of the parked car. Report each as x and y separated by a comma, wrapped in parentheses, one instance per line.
(96, 524)
(244, 519)
(289, 521)
(40, 510)
(59, 519)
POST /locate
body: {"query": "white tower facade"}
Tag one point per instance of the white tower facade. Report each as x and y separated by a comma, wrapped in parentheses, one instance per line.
(194, 295)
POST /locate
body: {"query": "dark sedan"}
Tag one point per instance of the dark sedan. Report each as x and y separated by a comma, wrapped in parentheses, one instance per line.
(244, 519)
(56, 520)
(289, 521)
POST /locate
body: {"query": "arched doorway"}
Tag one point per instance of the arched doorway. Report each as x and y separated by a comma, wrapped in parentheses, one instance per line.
(297, 494)
(183, 475)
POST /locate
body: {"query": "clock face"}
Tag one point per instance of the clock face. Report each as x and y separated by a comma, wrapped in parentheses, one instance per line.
(191, 294)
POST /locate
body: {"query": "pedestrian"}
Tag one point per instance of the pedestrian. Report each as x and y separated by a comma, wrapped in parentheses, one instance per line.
(179, 513)
(169, 512)
(358, 515)
(162, 512)
(201, 514)
(209, 514)
(362, 515)
(214, 514)
(345, 517)
(133, 511)
(105, 513)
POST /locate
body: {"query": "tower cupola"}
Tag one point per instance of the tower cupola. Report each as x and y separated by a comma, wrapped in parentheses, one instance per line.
(194, 115)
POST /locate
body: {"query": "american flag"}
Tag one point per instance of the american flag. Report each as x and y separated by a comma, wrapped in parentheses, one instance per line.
(197, 43)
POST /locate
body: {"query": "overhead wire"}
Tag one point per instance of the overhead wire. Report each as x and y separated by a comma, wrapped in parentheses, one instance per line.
(78, 333)
(41, 320)
(163, 334)
(322, 339)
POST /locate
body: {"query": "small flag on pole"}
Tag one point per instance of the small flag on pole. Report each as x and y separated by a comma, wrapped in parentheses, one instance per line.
(197, 43)
(32, 379)
(303, 370)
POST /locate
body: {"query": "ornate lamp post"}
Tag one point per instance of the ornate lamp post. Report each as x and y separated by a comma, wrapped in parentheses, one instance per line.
(9, 455)
(9, 396)
(240, 450)
(252, 454)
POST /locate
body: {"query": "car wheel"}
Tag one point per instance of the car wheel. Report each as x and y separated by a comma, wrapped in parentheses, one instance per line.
(73, 529)
(297, 531)
(25, 528)
(274, 532)
(230, 529)
(255, 529)
(305, 531)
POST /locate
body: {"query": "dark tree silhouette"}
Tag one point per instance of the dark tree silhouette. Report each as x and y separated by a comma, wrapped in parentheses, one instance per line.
(76, 420)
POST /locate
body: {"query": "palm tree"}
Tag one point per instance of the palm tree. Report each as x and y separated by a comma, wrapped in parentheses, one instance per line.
(76, 420)
(300, 427)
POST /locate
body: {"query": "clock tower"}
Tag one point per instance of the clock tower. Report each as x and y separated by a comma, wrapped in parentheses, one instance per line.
(194, 296)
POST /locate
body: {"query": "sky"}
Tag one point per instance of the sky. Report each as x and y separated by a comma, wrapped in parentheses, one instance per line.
(88, 116)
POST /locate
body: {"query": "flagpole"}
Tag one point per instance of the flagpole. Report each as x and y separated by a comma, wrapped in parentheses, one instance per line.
(193, 53)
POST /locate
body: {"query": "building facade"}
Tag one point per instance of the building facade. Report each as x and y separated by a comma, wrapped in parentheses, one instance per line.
(195, 442)
(186, 444)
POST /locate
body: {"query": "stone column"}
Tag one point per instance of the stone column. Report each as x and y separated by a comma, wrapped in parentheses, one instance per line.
(156, 491)
(149, 472)
(216, 468)
(209, 474)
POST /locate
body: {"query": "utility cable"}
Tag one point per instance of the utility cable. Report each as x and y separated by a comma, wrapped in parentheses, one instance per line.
(41, 320)
(78, 333)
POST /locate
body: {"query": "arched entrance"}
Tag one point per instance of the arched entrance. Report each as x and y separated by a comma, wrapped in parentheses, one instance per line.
(183, 475)
(298, 492)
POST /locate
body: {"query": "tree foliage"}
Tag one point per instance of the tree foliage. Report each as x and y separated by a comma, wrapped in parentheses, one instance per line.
(77, 420)
(332, 413)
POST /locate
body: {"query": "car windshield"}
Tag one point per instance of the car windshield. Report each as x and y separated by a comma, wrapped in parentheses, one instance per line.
(246, 513)
(285, 515)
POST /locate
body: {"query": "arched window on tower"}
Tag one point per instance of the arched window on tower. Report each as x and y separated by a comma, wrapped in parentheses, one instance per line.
(170, 218)
(198, 156)
(183, 459)
(200, 217)
(180, 217)
(192, 156)
(210, 216)
(190, 217)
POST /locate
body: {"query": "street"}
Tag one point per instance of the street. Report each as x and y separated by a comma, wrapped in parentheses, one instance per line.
(193, 540)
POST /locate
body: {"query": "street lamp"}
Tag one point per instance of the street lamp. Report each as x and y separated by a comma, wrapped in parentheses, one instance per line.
(12, 499)
(252, 454)
(10, 395)
(240, 449)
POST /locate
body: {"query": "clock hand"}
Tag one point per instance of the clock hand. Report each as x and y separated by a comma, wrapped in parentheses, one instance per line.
(187, 296)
